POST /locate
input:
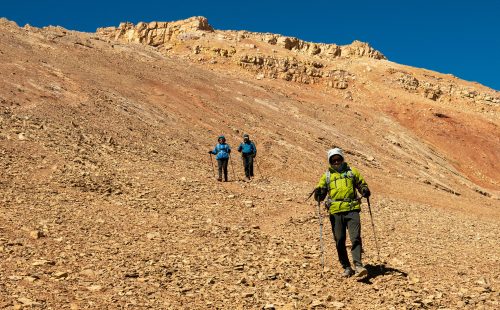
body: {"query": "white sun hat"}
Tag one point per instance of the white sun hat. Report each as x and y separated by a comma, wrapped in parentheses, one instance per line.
(335, 151)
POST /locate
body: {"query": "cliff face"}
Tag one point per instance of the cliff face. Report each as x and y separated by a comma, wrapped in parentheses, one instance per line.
(266, 55)
(158, 33)
(109, 198)
(162, 33)
(279, 57)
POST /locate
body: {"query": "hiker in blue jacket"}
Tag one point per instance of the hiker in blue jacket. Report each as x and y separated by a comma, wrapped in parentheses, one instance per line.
(248, 152)
(221, 152)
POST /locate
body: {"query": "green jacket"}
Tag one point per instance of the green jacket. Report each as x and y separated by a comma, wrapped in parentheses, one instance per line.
(342, 196)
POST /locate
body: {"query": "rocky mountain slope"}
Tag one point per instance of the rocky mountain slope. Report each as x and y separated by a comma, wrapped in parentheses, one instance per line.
(108, 198)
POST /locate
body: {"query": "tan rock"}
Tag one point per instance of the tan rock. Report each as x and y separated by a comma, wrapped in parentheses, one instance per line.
(43, 262)
(94, 288)
(36, 234)
(60, 274)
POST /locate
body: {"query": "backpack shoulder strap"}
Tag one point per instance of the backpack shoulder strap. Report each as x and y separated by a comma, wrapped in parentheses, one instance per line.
(328, 200)
(355, 184)
(351, 174)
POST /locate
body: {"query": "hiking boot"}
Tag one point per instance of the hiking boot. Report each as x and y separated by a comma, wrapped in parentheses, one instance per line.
(347, 272)
(361, 271)
(219, 179)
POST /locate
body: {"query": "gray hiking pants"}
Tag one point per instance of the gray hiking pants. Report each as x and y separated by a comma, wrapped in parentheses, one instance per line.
(340, 223)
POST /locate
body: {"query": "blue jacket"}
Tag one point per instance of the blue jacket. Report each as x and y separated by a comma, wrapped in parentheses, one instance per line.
(222, 151)
(247, 148)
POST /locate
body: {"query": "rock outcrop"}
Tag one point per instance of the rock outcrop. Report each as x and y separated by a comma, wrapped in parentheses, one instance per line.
(158, 33)
(435, 88)
(201, 39)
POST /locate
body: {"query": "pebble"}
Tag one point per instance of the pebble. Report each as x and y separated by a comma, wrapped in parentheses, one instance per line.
(248, 294)
(316, 304)
(27, 302)
(36, 234)
(43, 262)
(94, 288)
(152, 235)
(60, 275)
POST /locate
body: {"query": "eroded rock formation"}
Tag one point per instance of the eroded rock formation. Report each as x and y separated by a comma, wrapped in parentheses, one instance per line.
(435, 88)
(245, 49)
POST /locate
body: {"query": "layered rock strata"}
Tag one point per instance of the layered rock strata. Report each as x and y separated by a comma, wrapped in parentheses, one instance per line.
(245, 49)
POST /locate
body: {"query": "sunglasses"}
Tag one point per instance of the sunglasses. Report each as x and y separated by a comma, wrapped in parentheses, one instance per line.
(336, 160)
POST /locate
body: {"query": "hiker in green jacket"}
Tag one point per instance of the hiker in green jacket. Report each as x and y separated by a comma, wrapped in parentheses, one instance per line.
(339, 185)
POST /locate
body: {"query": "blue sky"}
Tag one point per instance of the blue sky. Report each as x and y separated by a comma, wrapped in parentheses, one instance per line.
(458, 37)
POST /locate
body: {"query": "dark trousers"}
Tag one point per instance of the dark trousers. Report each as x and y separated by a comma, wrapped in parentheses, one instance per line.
(222, 165)
(248, 165)
(340, 223)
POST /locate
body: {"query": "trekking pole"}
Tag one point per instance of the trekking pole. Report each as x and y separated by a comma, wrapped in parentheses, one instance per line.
(310, 194)
(258, 167)
(213, 169)
(321, 238)
(232, 166)
(373, 228)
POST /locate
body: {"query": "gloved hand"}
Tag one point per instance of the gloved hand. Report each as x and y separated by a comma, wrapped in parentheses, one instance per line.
(365, 192)
(320, 194)
(253, 155)
(210, 152)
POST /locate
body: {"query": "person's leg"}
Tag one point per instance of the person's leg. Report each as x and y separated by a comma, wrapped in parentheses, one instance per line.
(354, 228)
(219, 167)
(250, 166)
(224, 166)
(246, 164)
(339, 235)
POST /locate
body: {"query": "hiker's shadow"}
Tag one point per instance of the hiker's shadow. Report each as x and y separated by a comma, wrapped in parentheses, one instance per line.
(380, 270)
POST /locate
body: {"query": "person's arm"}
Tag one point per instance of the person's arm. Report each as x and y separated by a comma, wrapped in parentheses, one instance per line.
(216, 150)
(254, 150)
(320, 192)
(361, 185)
(240, 148)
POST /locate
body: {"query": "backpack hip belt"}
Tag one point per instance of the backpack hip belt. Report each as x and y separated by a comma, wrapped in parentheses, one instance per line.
(346, 199)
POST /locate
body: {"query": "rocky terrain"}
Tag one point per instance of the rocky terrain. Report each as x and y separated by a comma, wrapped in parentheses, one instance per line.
(108, 198)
